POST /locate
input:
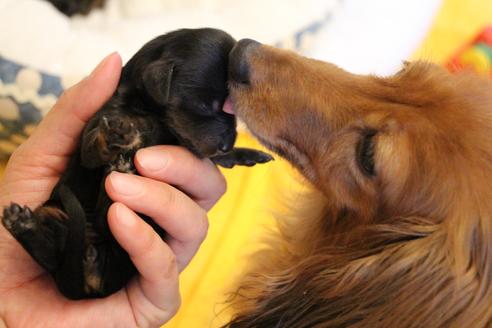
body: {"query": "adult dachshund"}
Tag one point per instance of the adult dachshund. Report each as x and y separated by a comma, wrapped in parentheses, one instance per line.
(397, 231)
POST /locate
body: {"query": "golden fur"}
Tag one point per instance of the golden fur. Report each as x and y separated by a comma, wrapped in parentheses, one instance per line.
(410, 246)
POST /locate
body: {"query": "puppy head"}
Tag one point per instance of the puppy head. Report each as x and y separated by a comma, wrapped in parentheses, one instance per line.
(184, 75)
(414, 144)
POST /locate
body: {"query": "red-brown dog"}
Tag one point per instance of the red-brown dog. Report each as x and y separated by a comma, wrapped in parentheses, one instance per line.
(399, 230)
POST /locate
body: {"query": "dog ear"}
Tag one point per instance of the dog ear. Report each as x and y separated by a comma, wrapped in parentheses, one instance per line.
(157, 80)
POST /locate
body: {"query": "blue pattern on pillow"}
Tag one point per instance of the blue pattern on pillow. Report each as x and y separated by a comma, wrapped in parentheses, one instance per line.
(51, 85)
(21, 106)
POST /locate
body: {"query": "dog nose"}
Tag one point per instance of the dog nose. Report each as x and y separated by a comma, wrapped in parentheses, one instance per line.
(238, 60)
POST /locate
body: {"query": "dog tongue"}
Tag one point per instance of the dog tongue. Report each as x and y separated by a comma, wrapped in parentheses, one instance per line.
(228, 107)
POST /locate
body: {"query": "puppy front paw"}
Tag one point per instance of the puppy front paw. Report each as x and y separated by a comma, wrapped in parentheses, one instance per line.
(243, 157)
(18, 220)
(112, 135)
(120, 134)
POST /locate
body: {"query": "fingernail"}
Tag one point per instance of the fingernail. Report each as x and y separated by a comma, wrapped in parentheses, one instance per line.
(103, 63)
(124, 216)
(124, 184)
(151, 160)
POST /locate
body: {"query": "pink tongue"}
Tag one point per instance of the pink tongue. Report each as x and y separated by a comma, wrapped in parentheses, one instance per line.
(228, 107)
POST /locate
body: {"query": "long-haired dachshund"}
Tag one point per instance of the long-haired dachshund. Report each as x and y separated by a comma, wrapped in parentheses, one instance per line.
(171, 92)
(398, 232)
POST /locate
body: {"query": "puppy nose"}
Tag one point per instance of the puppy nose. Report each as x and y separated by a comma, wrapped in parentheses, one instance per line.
(238, 60)
(226, 145)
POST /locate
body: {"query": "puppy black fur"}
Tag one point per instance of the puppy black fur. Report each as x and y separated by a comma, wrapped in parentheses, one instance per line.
(171, 92)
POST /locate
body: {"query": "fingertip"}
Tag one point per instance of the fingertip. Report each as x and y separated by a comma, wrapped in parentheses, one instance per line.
(152, 159)
(115, 55)
(121, 218)
(125, 225)
(106, 75)
(111, 62)
(108, 186)
(112, 216)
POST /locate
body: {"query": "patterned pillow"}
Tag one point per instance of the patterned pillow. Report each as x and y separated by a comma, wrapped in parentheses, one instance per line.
(25, 96)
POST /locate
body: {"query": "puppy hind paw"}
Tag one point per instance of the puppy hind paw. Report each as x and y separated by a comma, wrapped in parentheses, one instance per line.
(17, 219)
(92, 275)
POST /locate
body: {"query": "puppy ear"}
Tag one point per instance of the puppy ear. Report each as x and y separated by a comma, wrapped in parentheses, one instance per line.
(157, 80)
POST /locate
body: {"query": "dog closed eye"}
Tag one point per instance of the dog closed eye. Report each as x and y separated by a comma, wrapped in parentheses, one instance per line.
(365, 153)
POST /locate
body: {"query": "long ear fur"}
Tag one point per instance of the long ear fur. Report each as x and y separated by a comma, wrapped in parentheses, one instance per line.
(394, 274)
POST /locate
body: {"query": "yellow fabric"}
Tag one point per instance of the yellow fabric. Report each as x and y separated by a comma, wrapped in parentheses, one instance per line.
(243, 214)
(456, 24)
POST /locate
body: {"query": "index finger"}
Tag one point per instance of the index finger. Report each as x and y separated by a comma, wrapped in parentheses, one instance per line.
(198, 178)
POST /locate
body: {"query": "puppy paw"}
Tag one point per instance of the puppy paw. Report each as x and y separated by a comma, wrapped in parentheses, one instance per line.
(258, 157)
(92, 274)
(243, 157)
(123, 164)
(18, 220)
(121, 134)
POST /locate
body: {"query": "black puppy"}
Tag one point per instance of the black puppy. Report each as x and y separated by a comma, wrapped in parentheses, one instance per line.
(171, 92)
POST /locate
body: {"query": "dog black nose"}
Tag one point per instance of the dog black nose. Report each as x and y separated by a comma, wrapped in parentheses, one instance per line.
(238, 60)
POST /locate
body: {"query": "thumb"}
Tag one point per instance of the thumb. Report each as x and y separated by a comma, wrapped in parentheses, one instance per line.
(58, 133)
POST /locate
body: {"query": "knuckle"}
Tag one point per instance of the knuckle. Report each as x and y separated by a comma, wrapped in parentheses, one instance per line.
(147, 242)
(169, 196)
(201, 228)
(171, 260)
(171, 265)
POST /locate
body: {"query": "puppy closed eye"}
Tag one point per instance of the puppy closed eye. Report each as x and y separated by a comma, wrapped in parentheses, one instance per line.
(207, 107)
(365, 153)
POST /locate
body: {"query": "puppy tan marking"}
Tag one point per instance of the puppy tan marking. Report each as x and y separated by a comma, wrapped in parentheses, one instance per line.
(92, 274)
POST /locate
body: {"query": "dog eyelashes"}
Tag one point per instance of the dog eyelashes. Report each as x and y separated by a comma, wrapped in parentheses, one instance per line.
(365, 153)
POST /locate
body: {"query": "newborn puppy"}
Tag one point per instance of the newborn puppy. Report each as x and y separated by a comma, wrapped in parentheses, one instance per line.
(171, 92)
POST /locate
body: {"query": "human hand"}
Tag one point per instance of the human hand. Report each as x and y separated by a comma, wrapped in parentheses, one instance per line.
(28, 295)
